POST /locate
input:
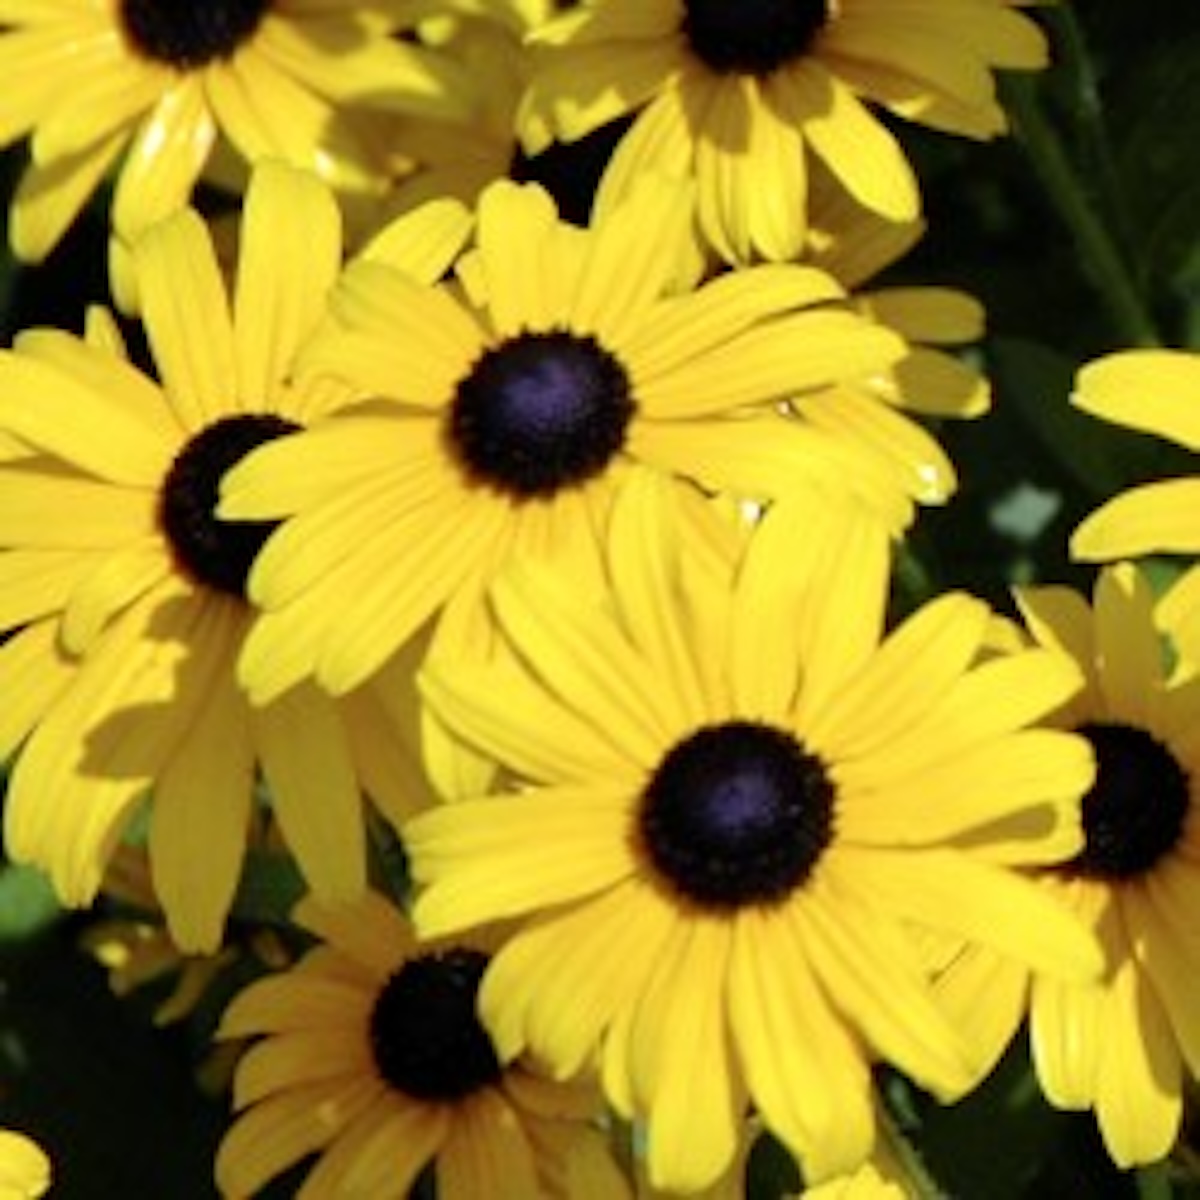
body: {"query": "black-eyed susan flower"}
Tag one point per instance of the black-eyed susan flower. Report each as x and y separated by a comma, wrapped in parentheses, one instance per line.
(1154, 391)
(738, 94)
(161, 90)
(371, 1057)
(503, 408)
(731, 805)
(24, 1167)
(1123, 1044)
(128, 593)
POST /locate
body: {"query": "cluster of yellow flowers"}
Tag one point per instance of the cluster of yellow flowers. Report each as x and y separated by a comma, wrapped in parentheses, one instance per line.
(556, 546)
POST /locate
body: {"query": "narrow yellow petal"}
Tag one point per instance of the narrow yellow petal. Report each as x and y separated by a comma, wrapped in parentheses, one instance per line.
(487, 859)
(854, 145)
(281, 1131)
(1151, 390)
(786, 1033)
(165, 158)
(1153, 517)
(200, 814)
(1139, 1084)
(680, 1059)
(180, 284)
(288, 259)
(306, 762)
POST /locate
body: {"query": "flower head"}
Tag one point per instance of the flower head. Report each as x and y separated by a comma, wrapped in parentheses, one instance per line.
(500, 410)
(127, 590)
(371, 1056)
(1121, 1044)
(162, 90)
(730, 804)
(24, 1167)
(739, 94)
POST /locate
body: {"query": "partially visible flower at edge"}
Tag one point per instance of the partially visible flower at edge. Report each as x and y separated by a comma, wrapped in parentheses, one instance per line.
(738, 95)
(127, 591)
(369, 1055)
(157, 90)
(1121, 1044)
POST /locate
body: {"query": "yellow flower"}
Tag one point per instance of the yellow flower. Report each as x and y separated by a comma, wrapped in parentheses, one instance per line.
(1120, 1045)
(165, 89)
(739, 94)
(372, 1058)
(730, 805)
(1154, 391)
(505, 405)
(24, 1167)
(127, 591)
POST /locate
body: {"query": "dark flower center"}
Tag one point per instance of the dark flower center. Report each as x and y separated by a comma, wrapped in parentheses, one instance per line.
(189, 33)
(737, 814)
(1135, 811)
(212, 551)
(425, 1036)
(541, 412)
(752, 37)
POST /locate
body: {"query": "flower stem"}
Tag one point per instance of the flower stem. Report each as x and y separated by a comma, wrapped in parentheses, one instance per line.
(1154, 1182)
(902, 1157)
(1075, 202)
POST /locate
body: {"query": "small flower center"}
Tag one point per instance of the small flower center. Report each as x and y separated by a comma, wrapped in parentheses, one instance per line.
(752, 37)
(189, 33)
(540, 412)
(425, 1036)
(1135, 811)
(211, 551)
(737, 814)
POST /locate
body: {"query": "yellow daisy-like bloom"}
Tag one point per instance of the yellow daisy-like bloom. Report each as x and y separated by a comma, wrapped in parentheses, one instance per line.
(160, 87)
(373, 1059)
(508, 403)
(128, 592)
(737, 94)
(1154, 391)
(730, 806)
(1120, 1045)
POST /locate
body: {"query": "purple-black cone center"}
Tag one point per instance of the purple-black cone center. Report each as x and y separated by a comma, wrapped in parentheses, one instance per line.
(1135, 811)
(187, 34)
(539, 413)
(212, 551)
(425, 1036)
(737, 814)
(752, 37)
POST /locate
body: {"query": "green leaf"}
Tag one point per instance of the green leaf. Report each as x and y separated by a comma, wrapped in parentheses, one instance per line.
(28, 905)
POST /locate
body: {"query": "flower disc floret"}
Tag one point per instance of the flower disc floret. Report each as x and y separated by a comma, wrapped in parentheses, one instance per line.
(540, 412)
(187, 36)
(425, 1037)
(1135, 812)
(213, 551)
(752, 37)
(737, 814)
